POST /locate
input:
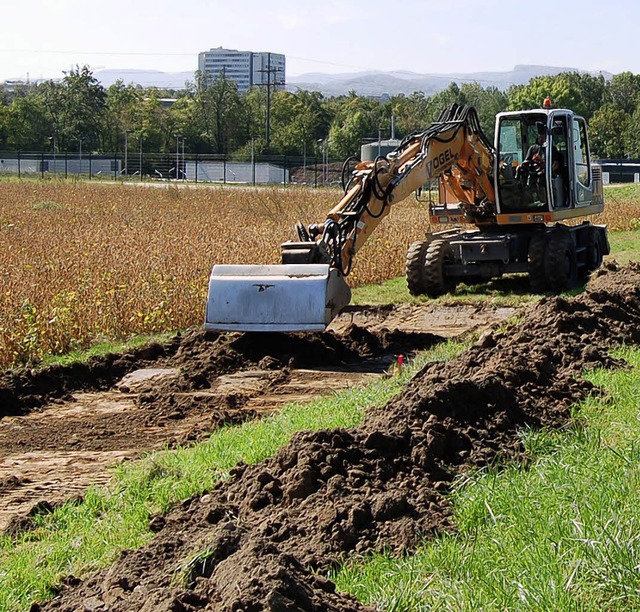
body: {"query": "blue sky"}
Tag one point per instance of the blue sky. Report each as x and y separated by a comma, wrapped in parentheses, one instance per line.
(43, 38)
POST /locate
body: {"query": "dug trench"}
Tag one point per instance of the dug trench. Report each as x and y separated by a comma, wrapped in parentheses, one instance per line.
(63, 427)
(262, 539)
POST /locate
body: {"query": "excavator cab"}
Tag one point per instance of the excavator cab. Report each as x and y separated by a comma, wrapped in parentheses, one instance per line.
(543, 168)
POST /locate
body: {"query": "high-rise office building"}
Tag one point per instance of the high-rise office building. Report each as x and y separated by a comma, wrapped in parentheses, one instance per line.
(245, 68)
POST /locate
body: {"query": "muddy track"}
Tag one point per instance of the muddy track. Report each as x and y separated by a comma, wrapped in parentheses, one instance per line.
(261, 534)
(62, 428)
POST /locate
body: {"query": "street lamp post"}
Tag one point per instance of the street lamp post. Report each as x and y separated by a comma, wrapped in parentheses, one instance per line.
(177, 156)
(141, 139)
(325, 163)
(183, 161)
(53, 143)
(304, 160)
(126, 149)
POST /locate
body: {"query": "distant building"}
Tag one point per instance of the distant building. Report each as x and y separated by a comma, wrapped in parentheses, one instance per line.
(245, 68)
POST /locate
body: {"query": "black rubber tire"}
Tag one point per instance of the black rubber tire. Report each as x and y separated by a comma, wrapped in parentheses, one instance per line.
(562, 265)
(415, 266)
(439, 252)
(537, 257)
(594, 251)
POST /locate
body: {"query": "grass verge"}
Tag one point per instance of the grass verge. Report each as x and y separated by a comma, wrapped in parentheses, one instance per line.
(80, 538)
(562, 534)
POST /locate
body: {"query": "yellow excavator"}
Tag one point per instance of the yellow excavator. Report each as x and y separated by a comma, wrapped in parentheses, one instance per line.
(521, 194)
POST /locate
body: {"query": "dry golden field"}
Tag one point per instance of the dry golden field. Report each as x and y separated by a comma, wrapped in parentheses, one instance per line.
(81, 263)
(84, 262)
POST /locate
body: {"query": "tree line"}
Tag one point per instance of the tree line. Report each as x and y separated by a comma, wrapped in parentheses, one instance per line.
(209, 115)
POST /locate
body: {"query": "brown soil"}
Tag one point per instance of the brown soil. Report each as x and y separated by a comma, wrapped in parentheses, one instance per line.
(253, 541)
(62, 428)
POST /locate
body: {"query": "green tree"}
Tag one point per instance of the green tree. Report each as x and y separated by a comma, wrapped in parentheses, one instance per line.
(580, 92)
(356, 119)
(488, 102)
(122, 115)
(27, 125)
(82, 109)
(623, 91)
(211, 116)
(443, 99)
(411, 113)
(607, 130)
(532, 95)
(590, 91)
(632, 134)
(298, 121)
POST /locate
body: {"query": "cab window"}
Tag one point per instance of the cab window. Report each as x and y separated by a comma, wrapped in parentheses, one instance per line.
(581, 152)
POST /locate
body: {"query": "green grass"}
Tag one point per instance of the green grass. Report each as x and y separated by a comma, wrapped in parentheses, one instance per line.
(509, 291)
(560, 534)
(79, 538)
(103, 348)
(625, 246)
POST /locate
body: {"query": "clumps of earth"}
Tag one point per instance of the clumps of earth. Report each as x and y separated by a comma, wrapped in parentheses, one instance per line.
(262, 539)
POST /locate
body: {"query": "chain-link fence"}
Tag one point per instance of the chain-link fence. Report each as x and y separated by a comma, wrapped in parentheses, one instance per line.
(144, 166)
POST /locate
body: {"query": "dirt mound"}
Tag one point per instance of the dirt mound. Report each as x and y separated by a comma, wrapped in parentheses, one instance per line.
(24, 390)
(330, 493)
(200, 358)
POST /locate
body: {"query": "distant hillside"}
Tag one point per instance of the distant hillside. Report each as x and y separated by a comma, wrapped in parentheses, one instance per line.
(393, 83)
(145, 78)
(372, 83)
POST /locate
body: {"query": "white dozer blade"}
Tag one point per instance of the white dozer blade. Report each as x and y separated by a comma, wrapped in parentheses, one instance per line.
(291, 297)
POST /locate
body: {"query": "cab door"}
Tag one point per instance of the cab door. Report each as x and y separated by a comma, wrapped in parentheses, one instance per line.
(580, 175)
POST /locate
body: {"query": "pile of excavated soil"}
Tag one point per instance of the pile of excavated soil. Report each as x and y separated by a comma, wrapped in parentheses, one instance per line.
(251, 543)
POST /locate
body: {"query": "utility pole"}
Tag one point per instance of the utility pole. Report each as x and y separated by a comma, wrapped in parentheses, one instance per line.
(269, 70)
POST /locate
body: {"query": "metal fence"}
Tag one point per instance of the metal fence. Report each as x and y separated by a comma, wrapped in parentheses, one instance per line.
(222, 169)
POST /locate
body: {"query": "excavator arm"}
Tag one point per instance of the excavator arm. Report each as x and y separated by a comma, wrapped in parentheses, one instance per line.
(308, 290)
(453, 150)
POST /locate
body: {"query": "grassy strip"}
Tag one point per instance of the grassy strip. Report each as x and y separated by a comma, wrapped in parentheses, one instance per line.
(77, 539)
(103, 348)
(562, 534)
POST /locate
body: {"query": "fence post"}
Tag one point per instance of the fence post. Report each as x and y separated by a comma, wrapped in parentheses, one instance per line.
(19, 164)
(284, 171)
(197, 162)
(224, 170)
(66, 158)
(42, 165)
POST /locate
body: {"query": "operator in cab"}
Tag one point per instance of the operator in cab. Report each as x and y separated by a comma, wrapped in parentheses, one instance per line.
(537, 152)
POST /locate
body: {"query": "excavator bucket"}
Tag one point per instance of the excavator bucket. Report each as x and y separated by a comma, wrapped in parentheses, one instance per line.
(291, 297)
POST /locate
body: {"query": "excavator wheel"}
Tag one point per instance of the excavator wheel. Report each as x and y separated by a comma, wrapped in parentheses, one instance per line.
(594, 251)
(436, 282)
(538, 279)
(415, 267)
(562, 266)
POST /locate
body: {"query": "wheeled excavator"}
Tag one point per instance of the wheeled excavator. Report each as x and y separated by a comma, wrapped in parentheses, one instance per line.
(521, 203)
